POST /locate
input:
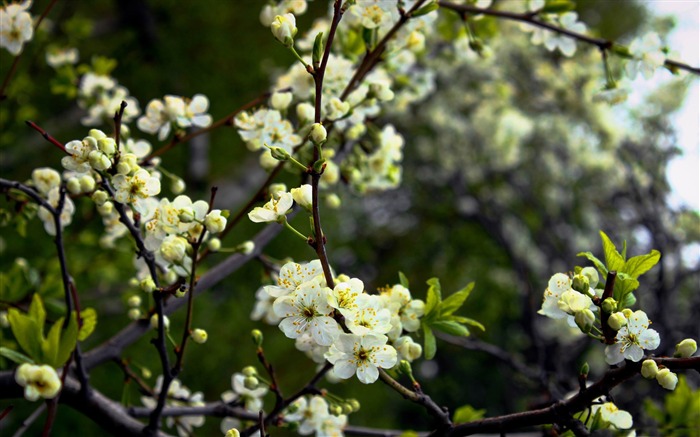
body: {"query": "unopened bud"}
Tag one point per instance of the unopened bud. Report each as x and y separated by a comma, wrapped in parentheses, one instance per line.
(154, 322)
(318, 133)
(355, 405)
(87, 183)
(585, 368)
(617, 320)
(609, 305)
(99, 197)
(4, 321)
(177, 185)
(99, 161)
(186, 215)
(686, 348)
(251, 382)
(107, 145)
(147, 285)
(134, 313)
(257, 337)
(584, 320)
(580, 283)
(667, 379)
(333, 201)
(73, 186)
(233, 432)
(134, 301)
(214, 244)
(335, 410)
(146, 372)
(649, 369)
(249, 371)
(96, 134)
(347, 408)
(281, 101)
(199, 336)
(279, 153)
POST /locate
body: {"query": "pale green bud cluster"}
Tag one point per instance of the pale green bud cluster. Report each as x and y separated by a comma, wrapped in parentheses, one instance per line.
(686, 348)
(199, 336)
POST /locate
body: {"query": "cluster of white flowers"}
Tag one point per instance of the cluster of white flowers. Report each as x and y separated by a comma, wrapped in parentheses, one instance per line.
(247, 390)
(38, 381)
(101, 96)
(647, 56)
(632, 337)
(269, 12)
(16, 26)
(162, 115)
(47, 182)
(178, 396)
(313, 415)
(553, 41)
(561, 300)
(380, 170)
(305, 309)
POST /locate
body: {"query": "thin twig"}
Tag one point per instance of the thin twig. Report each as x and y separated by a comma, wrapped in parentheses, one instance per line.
(26, 423)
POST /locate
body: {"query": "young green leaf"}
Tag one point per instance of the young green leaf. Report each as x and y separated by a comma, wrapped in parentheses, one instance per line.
(638, 265)
(37, 311)
(429, 347)
(467, 321)
(403, 280)
(69, 337)
(467, 413)
(15, 356)
(455, 301)
(49, 346)
(451, 327)
(596, 262)
(26, 331)
(613, 259)
(89, 318)
(434, 297)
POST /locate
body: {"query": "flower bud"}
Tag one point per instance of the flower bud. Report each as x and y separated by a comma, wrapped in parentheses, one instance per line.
(246, 248)
(333, 201)
(273, 189)
(214, 244)
(585, 368)
(99, 161)
(279, 153)
(318, 133)
(87, 183)
(97, 134)
(667, 379)
(233, 432)
(123, 167)
(106, 208)
(107, 145)
(249, 371)
(649, 369)
(580, 283)
(609, 305)
(257, 337)
(355, 405)
(302, 196)
(147, 285)
(215, 222)
(305, 113)
(281, 101)
(154, 322)
(405, 368)
(627, 313)
(686, 348)
(134, 301)
(177, 185)
(335, 410)
(181, 291)
(73, 186)
(284, 27)
(186, 215)
(617, 320)
(251, 382)
(4, 321)
(347, 408)
(199, 336)
(134, 313)
(584, 319)
(146, 372)
(592, 274)
(381, 91)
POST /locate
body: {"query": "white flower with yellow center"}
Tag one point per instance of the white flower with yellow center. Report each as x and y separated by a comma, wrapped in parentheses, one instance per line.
(194, 112)
(38, 381)
(612, 415)
(251, 397)
(558, 284)
(293, 275)
(648, 56)
(134, 189)
(368, 317)
(352, 354)
(45, 179)
(632, 339)
(66, 215)
(345, 294)
(16, 26)
(307, 310)
(274, 209)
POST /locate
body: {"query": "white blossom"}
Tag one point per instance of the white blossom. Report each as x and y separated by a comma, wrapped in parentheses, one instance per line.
(352, 354)
(632, 339)
(16, 26)
(38, 381)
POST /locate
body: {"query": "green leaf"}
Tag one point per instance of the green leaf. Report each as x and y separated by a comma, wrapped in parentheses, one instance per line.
(434, 297)
(50, 345)
(317, 53)
(69, 337)
(596, 262)
(638, 265)
(429, 346)
(451, 327)
(613, 259)
(629, 300)
(558, 6)
(455, 301)
(467, 321)
(403, 280)
(624, 285)
(26, 331)
(15, 356)
(467, 413)
(89, 318)
(37, 311)
(425, 10)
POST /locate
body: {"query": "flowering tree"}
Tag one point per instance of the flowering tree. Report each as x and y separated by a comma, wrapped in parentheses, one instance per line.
(369, 91)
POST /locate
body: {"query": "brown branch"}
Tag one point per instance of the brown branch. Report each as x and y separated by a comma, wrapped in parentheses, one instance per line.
(530, 18)
(47, 137)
